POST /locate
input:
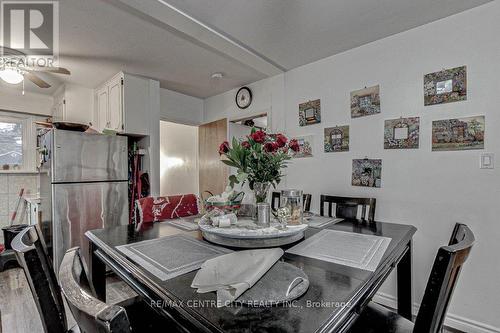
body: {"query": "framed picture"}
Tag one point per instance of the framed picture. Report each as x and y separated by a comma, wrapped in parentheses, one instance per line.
(306, 147)
(336, 139)
(402, 133)
(458, 134)
(367, 172)
(446, 86)
(310, 113)
(365, 102)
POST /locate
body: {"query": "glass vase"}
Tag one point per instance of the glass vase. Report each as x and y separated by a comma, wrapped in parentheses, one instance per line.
(260, 191)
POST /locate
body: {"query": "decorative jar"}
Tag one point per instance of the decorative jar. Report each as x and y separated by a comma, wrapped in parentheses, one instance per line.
(292, 199)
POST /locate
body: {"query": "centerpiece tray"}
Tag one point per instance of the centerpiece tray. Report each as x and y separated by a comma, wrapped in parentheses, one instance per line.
(246, 234)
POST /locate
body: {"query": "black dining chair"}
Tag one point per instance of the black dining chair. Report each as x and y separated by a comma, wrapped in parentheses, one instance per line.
(347, 207)
(91, 314)
(442, 281)
(276, 196)
(32, 255)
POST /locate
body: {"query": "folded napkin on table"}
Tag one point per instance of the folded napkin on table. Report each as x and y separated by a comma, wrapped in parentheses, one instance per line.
(230, 275)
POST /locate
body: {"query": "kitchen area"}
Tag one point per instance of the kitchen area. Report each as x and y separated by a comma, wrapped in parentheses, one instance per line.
(97, 152)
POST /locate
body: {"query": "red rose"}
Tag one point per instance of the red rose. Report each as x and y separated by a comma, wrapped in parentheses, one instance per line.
(223, 148)
(258, 136)
(281, 140)
(270, 147)
(245, 144)
(294, 145)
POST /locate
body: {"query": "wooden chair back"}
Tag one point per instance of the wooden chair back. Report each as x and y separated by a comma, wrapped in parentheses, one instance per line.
(276, 196)
(31, 254)
(347, 207)
(91, 314)
(443, 279)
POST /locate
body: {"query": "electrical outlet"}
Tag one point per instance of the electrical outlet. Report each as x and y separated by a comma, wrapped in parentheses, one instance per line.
(487, 161)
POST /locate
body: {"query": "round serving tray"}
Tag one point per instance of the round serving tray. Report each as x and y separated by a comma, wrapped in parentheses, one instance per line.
(244, 235)
(282, 283)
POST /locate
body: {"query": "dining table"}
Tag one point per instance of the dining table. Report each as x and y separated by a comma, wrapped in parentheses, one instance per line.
(334, 300)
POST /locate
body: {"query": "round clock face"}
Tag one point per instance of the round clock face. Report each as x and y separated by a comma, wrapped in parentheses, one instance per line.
(243, 98)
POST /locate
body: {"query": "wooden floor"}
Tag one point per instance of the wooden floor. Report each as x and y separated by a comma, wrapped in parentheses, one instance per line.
(18, 313)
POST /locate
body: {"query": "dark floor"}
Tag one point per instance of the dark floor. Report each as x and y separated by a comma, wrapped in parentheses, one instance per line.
(18, 313)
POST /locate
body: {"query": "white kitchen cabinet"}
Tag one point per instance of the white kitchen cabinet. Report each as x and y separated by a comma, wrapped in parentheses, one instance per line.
(58, 109)
(73, 103)
(102, 108)
(115, 104)
(123, 104)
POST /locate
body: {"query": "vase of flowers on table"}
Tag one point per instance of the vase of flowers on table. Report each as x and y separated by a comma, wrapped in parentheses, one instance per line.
(258, 159)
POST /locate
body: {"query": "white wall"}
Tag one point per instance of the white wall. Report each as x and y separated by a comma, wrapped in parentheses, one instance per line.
(178, 159)
(180, 108)
(267, 97)
(431, 190)
(13, 100)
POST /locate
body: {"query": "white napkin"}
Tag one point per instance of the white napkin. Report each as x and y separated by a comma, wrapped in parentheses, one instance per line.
(230, 275)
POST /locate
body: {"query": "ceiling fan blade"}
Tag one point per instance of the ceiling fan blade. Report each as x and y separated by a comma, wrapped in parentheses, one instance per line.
(56, 70)
(36, 80)
(8, 52)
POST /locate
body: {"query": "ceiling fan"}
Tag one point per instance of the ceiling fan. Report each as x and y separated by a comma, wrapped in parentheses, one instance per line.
(14, 68)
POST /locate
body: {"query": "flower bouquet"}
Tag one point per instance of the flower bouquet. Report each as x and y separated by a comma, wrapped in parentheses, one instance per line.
(259, 159)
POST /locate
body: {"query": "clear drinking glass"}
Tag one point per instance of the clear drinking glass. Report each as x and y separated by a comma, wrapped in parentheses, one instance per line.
(292, 199)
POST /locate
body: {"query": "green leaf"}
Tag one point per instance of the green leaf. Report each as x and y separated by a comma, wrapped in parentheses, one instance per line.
(230, 163)
(241, 176)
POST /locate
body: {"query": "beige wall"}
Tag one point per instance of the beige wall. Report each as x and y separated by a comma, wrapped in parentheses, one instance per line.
(178, 159)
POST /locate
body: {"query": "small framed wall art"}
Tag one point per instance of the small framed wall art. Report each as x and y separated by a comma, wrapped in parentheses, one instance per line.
(336, 139)
(402, 133)
(458, 134)
(306, 146)
(365, 102)
(367, 172)
(310, 113)
(446, 86)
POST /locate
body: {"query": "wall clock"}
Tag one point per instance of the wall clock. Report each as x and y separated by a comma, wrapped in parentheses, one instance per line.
(244, 97)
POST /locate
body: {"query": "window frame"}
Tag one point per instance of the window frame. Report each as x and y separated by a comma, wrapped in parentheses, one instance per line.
(29, 140)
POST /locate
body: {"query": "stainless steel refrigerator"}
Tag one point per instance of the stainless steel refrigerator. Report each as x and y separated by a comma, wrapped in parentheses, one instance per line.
(83, 186)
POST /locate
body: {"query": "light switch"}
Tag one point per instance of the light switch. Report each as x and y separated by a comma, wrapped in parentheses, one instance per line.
(487, 161)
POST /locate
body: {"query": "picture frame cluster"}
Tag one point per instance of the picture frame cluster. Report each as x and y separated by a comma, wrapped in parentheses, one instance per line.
(453, 134)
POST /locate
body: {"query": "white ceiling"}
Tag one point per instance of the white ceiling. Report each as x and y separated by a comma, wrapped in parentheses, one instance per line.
(292, 33)
(101, 37)
(98, 39)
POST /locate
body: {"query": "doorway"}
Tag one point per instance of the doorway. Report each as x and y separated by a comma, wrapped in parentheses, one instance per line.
(240, 128)
(178, 159)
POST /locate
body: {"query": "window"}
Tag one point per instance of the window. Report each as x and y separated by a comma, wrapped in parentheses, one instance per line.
(17, 146)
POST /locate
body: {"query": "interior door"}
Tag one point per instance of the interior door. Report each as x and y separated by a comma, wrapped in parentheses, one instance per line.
(115, 104)
(102, 108)
(213, 173)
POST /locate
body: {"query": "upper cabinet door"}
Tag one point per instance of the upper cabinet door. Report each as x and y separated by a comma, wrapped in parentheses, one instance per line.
(115, 104)
(58, 113)
(102, 108)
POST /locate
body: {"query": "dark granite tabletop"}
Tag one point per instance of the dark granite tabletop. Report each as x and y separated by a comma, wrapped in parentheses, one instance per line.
(336, 292)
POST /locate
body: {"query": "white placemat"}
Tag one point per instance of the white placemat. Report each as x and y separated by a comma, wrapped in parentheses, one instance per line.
(344, 248)
(171, 256)
(317, 221)
(184, 224)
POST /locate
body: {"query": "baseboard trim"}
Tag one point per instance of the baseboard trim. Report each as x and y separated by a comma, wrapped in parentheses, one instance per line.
(452, 320)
